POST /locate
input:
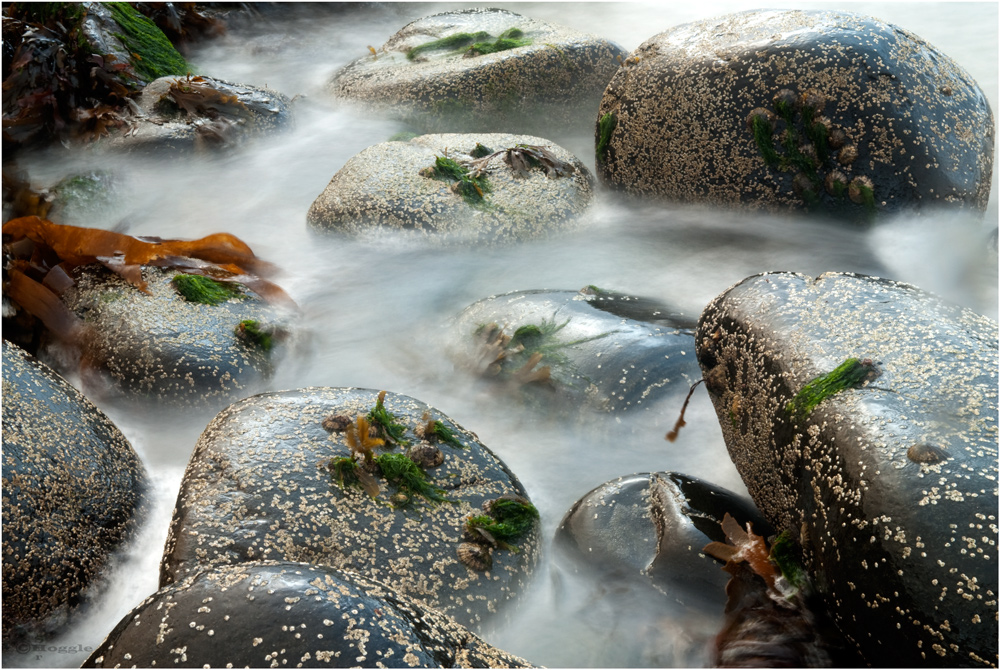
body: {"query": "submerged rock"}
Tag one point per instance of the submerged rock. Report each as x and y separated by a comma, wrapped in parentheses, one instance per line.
(487, 188)
(598, 349)
(644, 534)
(202, 113)
(72, 495)
(272, 477)
(281, 614)
(831, 112)
(482, 68)
(862, 416)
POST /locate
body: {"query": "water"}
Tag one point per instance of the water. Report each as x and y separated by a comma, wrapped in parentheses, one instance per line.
(374, 314)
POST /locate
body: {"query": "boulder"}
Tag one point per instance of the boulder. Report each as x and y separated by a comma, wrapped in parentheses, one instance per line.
(72, 495)
(200, 113)
(477, 69)
(282, 614)
(456, 188)
(299, 476)
(862, 416)
(825, 111)
(644, 533)
(162, 346)
(598, 349)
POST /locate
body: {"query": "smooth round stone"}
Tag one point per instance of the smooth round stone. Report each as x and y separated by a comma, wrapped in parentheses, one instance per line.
(868, 106)
(553, 81)
(385, 188)
(259, 487)
(605, 351)
(281, 614)
(72, 495)
(165, 348)
(890, 483)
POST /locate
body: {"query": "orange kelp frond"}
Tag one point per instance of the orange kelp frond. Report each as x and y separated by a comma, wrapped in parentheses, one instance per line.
(211, 255)
(744, 546)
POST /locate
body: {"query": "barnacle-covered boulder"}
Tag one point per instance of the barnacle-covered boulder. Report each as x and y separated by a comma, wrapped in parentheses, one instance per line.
(862, 416)
(606, 351)
(375, 483)
(485, 188)
(473, 69)
(283, 614)
(645, 533)
(825, 111)
(72, 495)
(201, 113)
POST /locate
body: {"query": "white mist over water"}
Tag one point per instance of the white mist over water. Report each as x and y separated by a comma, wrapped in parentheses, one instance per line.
(375, 314)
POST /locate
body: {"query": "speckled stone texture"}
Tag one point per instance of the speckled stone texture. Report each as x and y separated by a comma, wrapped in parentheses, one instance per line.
(604, 351)
(258, 487)
(891, 484)
(72, 494)
(164, 348)
(288, 615)
(554, 81)
(869, 105)
(237, 112)
(382, 189)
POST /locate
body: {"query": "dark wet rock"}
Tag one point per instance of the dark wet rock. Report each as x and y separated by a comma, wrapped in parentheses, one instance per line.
(282, 614)
(602, 350)
(166, 348)
(260, 486)
(72, 495)
(880, 121)
(638, 540)
(888, 476)
(399, 186)
(549, 79)
(201, 113)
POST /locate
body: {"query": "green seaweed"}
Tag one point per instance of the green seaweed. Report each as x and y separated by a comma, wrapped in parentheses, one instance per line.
(509, 39)
(345, 468)
(408, 476)
(471, 188)
(848, 374)
(443, 433)
(151, 53)
(204, 290)
(456, 41)
(605, 126)
(480, 151)
(507, 521)
(403, 136)
(250, 331)
(764, 140)
(385, 421)
(786, 555)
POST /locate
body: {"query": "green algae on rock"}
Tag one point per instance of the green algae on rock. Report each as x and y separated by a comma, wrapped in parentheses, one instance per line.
(288, 614)
(829, 112)
(336, 509)
(469, 69)
(898, 538)
(150, 52)
(72, 495)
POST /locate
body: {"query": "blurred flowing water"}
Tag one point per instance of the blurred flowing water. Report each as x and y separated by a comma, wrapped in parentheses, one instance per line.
(375, 314)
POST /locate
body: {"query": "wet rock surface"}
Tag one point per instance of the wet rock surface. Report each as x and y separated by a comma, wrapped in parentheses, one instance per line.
(163, 347)
(492, 68)
(604, 350)
(72, 494)
(639, 539)
(281, 614)
(404, 187)
(831, 112)
(862, 415)
(260, 486)
(200, 113)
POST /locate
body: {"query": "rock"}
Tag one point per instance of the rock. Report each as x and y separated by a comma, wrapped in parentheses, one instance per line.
(598, 349)
(543, 76)
(862, 416)
(880, 121)
(644, 534)
(165, 348)
(72, 495)
(201, 113)
(270, 480)
(282, 614)
(404, 187)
